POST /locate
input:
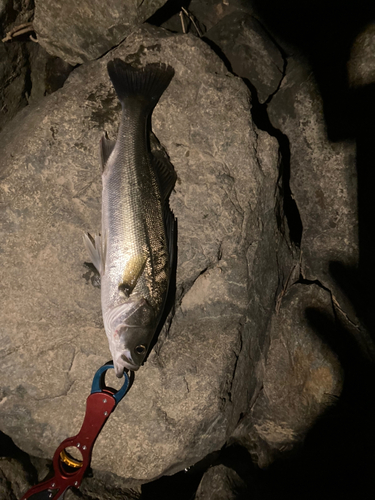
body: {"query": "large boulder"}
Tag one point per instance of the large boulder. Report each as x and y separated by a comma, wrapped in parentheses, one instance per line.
(85, 30)
(250, 52)
(302, 380)
(207, 365)
(323, 179)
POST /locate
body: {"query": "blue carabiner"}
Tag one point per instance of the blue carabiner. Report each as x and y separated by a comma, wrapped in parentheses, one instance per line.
(98, 383)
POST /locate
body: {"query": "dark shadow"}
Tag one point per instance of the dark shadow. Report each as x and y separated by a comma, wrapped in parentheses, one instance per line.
(183, 485)
(9, 450)
(324, 32)
(337, 458)
(169, 9)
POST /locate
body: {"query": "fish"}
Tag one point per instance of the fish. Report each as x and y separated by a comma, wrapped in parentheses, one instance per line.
(135, 250)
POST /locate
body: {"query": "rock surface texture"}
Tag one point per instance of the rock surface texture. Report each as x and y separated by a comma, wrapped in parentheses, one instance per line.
(302, 378)
(19, 472)
(250, 51)
(323, 180)
(83, 31)
(361, 65)
(220, 483)
(14, 479)
(198, 379)
(328, 211)
(266, 204)
(27, 71)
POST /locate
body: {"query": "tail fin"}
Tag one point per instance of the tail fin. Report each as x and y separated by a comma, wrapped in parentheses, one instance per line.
(145, 84)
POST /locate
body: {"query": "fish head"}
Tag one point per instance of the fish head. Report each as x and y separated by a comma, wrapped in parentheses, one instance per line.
(130, 333)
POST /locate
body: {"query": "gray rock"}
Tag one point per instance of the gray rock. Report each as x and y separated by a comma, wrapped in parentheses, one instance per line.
(302, 379)
(220, 483)
(14, 479)
(250, 51)
(82, 31)
(27, 71)
(361, 65)
(47, 73)
(188, 397)
(322, 179)
(206, 13)
(13, 72)
(17, 477)
(14, 67)
(104, 486)
(2, 7)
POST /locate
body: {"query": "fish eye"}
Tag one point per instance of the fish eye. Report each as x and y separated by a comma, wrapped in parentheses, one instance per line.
(140, 349)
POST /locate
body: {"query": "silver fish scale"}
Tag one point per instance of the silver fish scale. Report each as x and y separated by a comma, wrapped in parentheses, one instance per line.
(132, 217)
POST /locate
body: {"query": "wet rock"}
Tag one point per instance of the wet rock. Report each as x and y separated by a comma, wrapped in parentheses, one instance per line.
(82, 31)
(220, 483)
(302, 378)
(250, 52)
(188, 397)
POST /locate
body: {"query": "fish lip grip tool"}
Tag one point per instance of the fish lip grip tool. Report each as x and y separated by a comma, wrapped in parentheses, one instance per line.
(69, 471)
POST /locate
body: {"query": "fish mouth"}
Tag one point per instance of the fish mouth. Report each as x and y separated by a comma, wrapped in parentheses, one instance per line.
(123, 362)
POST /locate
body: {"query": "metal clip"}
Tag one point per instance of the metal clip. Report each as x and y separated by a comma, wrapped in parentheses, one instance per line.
(68, 469)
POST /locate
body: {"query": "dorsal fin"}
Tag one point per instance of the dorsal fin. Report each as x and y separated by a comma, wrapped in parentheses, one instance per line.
(166, 174)
(106, 148)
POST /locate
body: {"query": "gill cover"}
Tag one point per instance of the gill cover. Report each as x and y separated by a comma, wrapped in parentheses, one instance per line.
(130, 328)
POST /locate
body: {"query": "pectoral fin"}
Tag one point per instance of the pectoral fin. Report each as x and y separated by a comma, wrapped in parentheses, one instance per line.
(132, 273)
(95, 250)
